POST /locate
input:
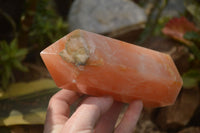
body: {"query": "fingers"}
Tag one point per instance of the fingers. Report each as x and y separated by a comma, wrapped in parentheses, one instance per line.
(58, 110)
(95, 113)
(130, 118)
(87, 114)
(107, 122)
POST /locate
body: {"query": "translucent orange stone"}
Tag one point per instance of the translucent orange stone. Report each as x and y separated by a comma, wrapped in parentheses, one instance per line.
(97, 65)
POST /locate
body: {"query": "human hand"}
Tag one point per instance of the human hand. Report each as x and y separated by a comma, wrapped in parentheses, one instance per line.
(95, 114)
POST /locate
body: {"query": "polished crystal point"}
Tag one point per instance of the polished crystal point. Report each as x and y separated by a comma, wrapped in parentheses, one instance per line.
(97, 65)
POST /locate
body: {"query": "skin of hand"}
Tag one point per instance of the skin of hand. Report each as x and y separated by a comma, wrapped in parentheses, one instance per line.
(93, 115)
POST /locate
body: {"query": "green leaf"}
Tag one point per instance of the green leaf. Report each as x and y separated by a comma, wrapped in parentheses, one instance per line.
(191, 78)
(13, 45)
(4, 57)
(4, 47)
(19, 66)
(21, 54)
(193, 36)
(10, 58)
(195, 50)
(189, 82)
(161, 23)
(5, 77)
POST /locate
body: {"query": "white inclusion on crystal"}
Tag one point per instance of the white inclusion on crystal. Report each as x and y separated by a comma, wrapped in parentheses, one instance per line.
(73, 81)
(91, 46)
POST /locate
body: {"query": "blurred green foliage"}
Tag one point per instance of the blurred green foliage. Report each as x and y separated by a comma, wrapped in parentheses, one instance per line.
(192, 36)
(10, 58)
(193, 7)
(47, 25)
(191, 78)
(155, 20)
(160, 25)
(40, 26)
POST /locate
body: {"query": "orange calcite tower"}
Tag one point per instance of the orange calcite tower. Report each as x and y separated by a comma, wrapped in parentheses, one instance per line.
(96, 65)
